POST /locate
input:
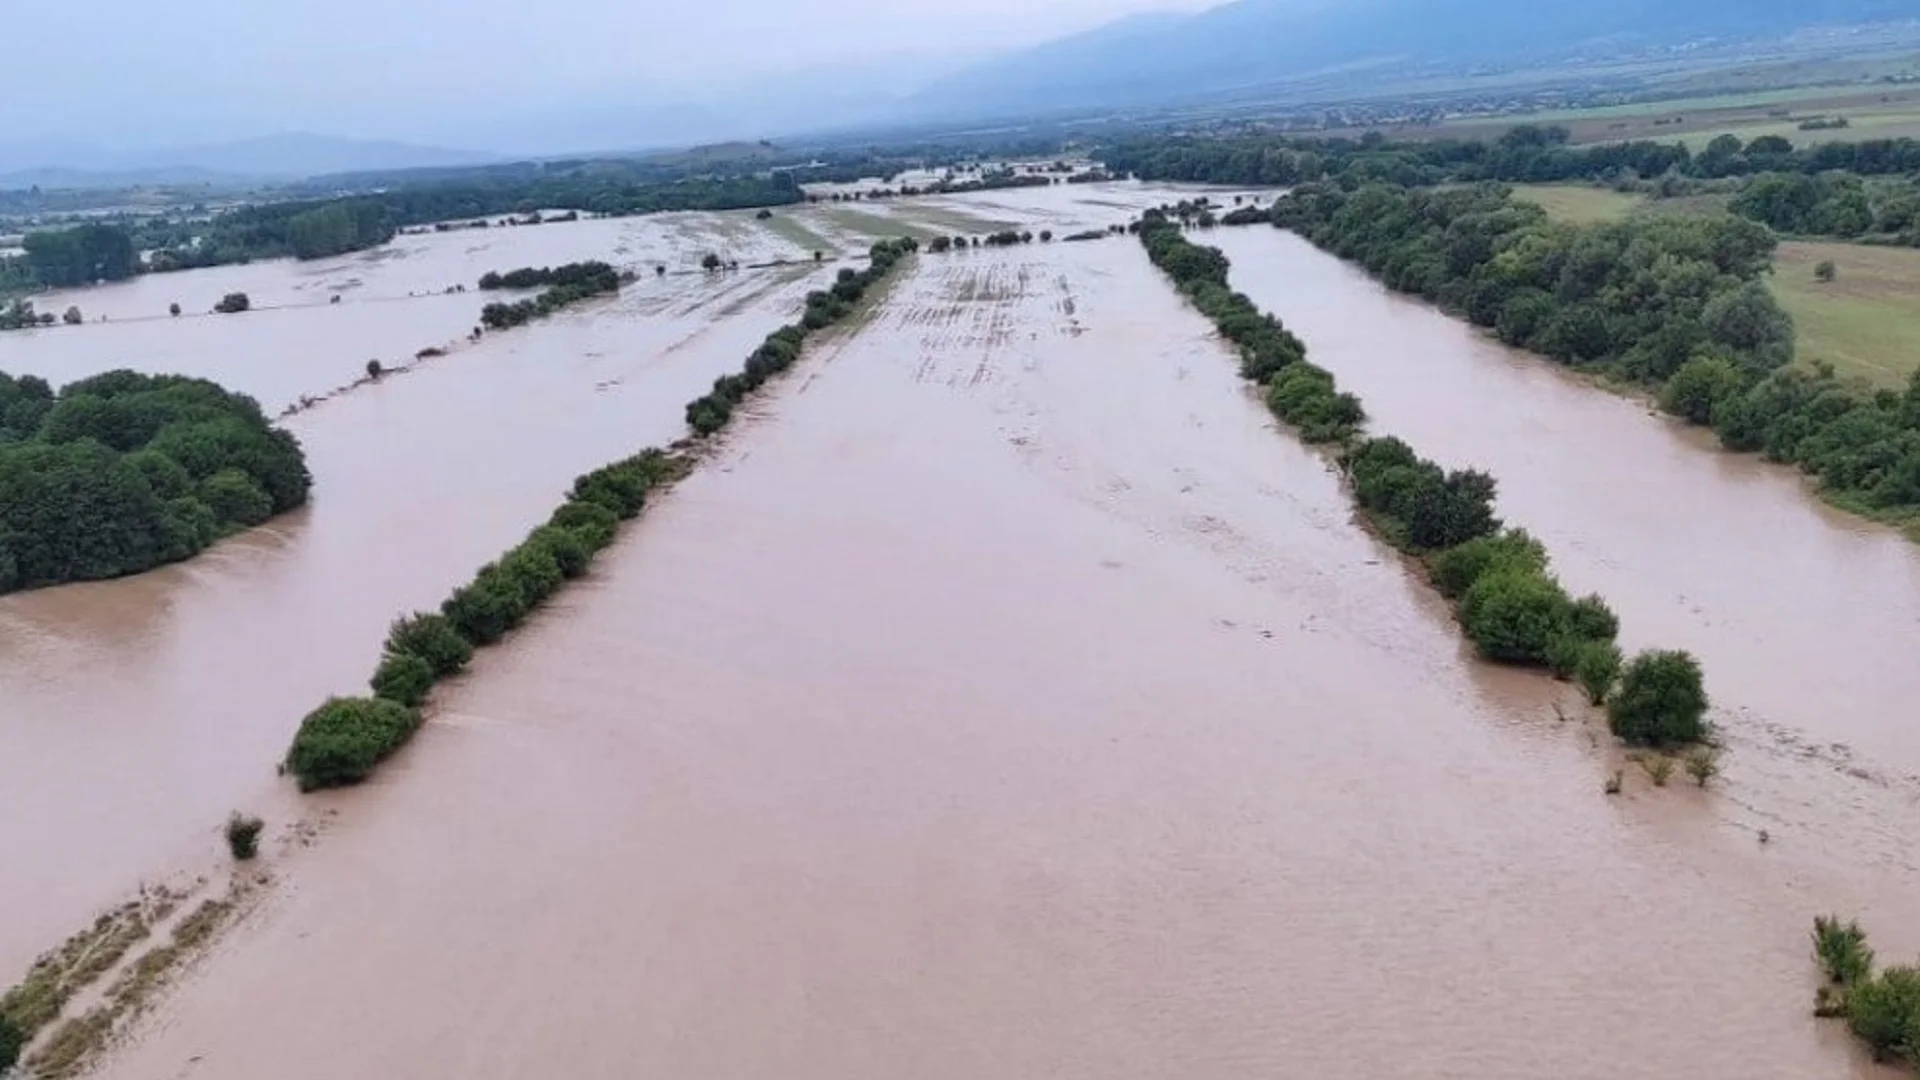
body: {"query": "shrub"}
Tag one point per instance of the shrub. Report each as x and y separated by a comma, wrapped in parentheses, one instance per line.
(174, 310)
(433, 639)
(243, 836)
(12, 1042)
(1661, 701)
(568, 549)
(233, 303)
(1825, 271)
(1597, 669)
(1882, 1010)
(1703, 765)
(403, 678)
(1698, 388)
(1514, 617)
(1456, 569)
(532, 570)
(1659, 768)
(340, 742)
(1592, 620)
(1842, 949)
(235, 497)
(593, 523)
(374, 370)
(484, 610)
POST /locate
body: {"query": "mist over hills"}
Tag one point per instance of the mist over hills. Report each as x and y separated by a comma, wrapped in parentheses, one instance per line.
(1147, 60)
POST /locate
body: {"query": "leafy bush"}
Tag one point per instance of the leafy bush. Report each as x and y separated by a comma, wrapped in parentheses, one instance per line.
(1456, 569)
(1882, 1011)
(12, 1042)
(1597, 668)
(1700, 386)
(403, 678)
(243, 836)
(233, 496)
(233, 304)
(433, 639)
(568, 550)
(485, 609)
(340, 742)
(1842, 949)
(1515, 618)
(1661, 701)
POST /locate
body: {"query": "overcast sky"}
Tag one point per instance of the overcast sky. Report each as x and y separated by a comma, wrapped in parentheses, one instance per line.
(150, 72)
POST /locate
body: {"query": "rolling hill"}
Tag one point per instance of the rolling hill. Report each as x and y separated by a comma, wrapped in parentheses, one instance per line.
(1149, 60)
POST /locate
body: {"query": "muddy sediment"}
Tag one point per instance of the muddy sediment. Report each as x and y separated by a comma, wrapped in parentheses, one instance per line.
(1010, 697)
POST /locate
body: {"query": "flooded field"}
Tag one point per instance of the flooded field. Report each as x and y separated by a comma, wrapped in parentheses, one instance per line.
(1800, 614)
(1010, 699)
(1006, 697)
(143, 710)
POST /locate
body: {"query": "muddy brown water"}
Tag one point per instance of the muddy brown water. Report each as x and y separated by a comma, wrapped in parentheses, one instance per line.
(135, 714)
(1011, 699)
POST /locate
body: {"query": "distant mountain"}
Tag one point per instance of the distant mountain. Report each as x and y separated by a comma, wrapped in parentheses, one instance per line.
(1142, 61)
(272, 157)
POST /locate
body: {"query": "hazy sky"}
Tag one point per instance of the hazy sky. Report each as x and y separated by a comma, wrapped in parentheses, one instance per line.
(147, 72)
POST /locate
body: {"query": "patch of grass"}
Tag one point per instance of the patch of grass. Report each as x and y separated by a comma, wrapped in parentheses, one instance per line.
(1865, 322)
(795, 232)
(875, 225)
(1579, 204)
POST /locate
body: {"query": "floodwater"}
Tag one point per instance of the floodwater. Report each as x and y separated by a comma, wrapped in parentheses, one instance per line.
(1009, 698)
(135, 714)
(1802, 616)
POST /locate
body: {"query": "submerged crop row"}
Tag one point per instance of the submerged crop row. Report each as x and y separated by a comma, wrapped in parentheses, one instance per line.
(343, 740)
(1506, 599)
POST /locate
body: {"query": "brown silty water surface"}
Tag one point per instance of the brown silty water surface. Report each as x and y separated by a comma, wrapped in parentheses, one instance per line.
(1803, 617)
(135, 714)
(1009, 698)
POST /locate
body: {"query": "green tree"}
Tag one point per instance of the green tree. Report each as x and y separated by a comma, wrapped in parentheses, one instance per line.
(1597, 669)
(340, 742)
(12, 1042)
(403, 678)
(432, 638)
(1514, 618)
(1698, 388)
(1661, 702)
(1881, 1011)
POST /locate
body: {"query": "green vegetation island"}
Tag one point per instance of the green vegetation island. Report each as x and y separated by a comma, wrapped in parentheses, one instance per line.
(123, 472)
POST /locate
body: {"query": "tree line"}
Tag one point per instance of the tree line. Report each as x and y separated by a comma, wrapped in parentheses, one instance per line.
(1674, 304)
(568, 284)
(1524, 154)
(123, 472)
(343, 740)
(1505, 597)
(1842, 205)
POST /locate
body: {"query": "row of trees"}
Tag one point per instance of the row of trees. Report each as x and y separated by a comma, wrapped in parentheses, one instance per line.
(1837, 204)
(1524, 154)
(529, 277)
(124, 472)
(345, 739)
(712, 412)
(1638, 298)
(572, 283)
(1676, 304)
(1508, 603)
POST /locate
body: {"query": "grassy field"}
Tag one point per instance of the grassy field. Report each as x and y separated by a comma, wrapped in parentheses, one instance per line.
(1578, 204)
(1866, 322)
